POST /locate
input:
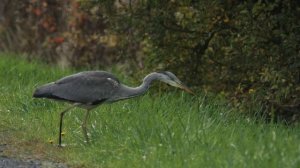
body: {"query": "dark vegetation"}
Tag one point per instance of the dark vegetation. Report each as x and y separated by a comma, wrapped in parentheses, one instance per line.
(247, 51)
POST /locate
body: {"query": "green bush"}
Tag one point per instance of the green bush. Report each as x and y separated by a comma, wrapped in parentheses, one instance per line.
(247, 50)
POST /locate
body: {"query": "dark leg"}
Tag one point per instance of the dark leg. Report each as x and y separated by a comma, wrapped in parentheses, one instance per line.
(84, 126)
(61, 121)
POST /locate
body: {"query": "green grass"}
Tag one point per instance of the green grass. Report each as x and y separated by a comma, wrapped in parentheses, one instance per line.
(170, 130)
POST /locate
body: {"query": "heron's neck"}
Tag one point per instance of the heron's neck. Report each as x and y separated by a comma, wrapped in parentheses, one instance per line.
(129, 92)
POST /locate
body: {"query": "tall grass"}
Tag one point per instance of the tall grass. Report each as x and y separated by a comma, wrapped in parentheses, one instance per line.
(173, 129)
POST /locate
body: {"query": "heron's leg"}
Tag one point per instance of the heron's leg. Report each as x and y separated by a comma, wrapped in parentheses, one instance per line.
(84, 125)
(61, 121)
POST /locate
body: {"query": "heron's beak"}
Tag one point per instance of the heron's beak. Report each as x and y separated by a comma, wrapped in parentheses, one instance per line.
(185, 88)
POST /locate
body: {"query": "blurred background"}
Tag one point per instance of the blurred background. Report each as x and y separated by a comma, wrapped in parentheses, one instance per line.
(245, 51)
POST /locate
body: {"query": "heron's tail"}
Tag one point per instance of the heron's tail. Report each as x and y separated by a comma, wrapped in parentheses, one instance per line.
(43, 91)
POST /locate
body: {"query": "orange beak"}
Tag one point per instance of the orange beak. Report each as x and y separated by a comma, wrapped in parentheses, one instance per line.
(185, 88)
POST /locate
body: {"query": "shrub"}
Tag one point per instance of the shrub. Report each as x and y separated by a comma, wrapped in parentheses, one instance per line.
(238, 48)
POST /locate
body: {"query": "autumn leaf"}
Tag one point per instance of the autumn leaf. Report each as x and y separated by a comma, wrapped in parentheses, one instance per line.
(37, 11)
(57, 40)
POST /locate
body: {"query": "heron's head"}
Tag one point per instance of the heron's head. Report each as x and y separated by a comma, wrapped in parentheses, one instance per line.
(171, 79)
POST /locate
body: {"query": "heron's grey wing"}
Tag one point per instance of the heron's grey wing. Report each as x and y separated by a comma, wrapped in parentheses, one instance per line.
(85, 74)
(87, 88)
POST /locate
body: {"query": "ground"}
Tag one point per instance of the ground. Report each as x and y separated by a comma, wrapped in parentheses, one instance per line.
(15, 160)
(159, 129)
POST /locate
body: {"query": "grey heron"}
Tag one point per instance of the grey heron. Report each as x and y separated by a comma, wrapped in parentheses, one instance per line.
(90, 89)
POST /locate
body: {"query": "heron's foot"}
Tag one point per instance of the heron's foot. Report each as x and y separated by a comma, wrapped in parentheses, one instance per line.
(61, 145)
(87, 140)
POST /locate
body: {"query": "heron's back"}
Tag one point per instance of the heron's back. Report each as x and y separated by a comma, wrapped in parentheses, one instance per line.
(90, 88)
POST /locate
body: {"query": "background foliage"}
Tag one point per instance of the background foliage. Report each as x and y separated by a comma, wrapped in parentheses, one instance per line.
(248, 51)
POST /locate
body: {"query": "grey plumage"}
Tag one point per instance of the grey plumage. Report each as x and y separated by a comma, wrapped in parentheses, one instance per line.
(88, 88)
(92, 88)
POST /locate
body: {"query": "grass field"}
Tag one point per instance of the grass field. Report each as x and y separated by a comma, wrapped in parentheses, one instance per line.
(170, 130)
